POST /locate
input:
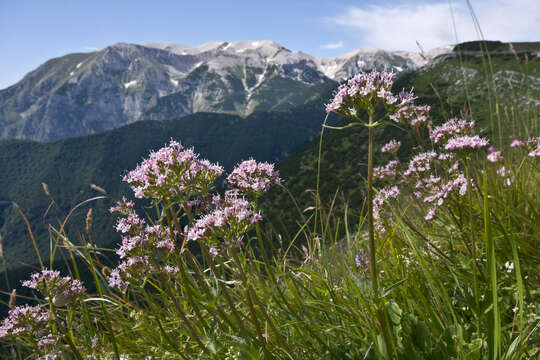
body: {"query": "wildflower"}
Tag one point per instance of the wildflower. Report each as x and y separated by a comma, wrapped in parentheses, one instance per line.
(252, 177)
(420, 163)
(417, 114)
(130, 270)
(365, 88)
(378, 202)
(387, 171)
(494, 156)
(534, 147)
(56, 354)
(25, 320)
(213, 252)
(465, 143)
(451, 128)
(442, 192)
(147, 241)
(172, 270)
(517, 143)
(172, 171)
(391, 147)
(359, 259)
(131, 224)
(63, 290)
(124, 207)
(46, 341)
(230, 220)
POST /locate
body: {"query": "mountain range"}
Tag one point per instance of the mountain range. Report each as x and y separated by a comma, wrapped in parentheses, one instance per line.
(86, 93)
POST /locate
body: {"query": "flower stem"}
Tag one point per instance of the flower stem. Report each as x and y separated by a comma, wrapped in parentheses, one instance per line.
(471, 236)
(372, 249)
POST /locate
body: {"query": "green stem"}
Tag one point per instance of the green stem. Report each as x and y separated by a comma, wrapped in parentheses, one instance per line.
(472, 240)
(494, 335)
(372, 248)
(317, 194)
(381, 311)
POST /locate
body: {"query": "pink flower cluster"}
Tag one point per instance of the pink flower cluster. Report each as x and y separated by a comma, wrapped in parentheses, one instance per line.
(466, 143)
(360, 90)
(62, 290)
(422, 162)
(229, 221)
(144, 247)
(385, 194)
(387, 171)
(451, 128)
(494, 156)
(442, 192)
(455, 135)
(407, 110)
(253, 177)
(532, 145)
(391, 147)
(130, 270)
(25, 320)
(123, 207)
(172, 171)
(149, 240)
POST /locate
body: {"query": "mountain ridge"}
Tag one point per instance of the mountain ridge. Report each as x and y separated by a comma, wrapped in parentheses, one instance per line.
(86, 93)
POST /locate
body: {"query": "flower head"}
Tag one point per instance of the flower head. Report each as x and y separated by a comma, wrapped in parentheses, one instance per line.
(172, 171)
(451, 128)
(63, 290)
(229, 221)
(466, 144)
(25, 320)
(391, 147)
(253, 177)
(360, 90)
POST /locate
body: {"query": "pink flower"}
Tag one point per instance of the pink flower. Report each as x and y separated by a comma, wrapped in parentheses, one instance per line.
(465, 143)
(25, 320)
(387, 171)
(494, 156)
(391, 147)
(451, 128)
(172, 171)
(253, 177)
(517, 143)
(63, 290)
(230, 220)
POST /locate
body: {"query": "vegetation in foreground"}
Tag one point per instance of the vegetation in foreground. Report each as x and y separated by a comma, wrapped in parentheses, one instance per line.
(442, 266)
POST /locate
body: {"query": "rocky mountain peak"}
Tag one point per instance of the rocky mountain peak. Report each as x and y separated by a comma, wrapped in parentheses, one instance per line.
(85, 93)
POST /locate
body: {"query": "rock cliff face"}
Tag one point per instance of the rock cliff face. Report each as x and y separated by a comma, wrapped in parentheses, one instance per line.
(87, 93)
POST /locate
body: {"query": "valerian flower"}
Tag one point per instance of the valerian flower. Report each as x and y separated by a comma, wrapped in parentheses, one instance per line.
(172, 171)
(25, 320)
(450, 129)
(252, 177)
(63, 290)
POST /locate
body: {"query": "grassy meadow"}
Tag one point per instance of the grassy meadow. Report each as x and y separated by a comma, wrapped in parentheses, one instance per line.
(432, 254)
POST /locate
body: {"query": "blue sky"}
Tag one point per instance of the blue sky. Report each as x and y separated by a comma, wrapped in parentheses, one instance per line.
(32, 32)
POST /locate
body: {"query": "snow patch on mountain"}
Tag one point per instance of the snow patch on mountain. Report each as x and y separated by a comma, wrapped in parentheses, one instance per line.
(130, 84)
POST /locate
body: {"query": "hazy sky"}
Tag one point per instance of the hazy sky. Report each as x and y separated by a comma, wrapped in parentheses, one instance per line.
(32, 32)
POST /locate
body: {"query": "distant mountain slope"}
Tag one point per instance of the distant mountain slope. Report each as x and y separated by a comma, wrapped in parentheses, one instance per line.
(88, 93)
(69, 166)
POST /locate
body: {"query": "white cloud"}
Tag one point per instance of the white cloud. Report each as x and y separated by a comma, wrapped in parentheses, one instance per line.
(337, 45)
(398, 27)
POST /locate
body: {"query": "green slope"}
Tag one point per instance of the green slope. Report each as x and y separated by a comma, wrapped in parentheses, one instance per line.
(69, 166)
